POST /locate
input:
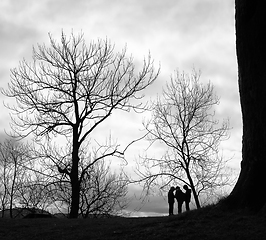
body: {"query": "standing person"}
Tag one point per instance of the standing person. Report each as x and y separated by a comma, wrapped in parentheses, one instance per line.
(179, 195)
(187, 196)
(171, 200)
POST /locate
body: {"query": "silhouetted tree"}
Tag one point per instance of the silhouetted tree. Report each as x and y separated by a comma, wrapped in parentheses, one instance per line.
(103, 192)
(69, 90)
(35, 191)
(251, 51)
(14, 156)
(183, 122)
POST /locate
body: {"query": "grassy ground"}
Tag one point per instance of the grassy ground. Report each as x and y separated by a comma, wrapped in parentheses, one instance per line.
(207, 223)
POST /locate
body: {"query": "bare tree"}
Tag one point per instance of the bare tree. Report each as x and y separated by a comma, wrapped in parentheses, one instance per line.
(35, 191)
(103, 192)
(69, 90)
(13, 159)
(4, 178)
(183, 123)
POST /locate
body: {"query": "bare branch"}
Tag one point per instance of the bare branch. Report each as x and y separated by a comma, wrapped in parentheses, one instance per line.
(183, 123)
(68, 90)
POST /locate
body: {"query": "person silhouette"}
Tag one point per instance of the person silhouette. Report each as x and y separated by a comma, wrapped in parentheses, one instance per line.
(180, 197)
(187, 195)
(171, 200)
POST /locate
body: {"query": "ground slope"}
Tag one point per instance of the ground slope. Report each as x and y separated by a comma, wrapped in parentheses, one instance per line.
(208, 223)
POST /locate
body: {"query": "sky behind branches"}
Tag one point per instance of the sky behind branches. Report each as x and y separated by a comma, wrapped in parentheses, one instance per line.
(179, 34)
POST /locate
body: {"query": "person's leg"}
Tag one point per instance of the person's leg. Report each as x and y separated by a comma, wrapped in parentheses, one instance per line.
(187, 206)
(171, 208)
(179, 207)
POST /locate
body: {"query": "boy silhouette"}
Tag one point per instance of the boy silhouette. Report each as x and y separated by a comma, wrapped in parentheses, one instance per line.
(171, 200)
(180, 197)
(187, 196)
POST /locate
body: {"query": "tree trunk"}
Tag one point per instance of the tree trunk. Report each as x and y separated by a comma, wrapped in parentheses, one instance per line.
(74, 208)
(249, 190)
(13, 187)
(196, 198)
(74, 178)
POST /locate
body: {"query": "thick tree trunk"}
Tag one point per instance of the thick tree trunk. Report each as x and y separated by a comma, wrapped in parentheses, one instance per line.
(74, 208)
(74, 178)
(249, 191)
(75, 186)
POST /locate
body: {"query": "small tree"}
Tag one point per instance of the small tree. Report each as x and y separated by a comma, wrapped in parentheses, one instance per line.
(103, 192)
(183, 122)
(13, 159)
(69, 90)
(35, 191)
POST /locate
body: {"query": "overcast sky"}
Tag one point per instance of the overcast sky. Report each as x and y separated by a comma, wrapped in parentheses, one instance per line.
(180, 34)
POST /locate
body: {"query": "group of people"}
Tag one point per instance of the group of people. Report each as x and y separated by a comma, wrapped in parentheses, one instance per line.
(180, 197)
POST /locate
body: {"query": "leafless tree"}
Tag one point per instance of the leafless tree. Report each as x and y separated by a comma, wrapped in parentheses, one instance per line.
(103, 192)
(4, 177)
(183, 124)
(35, 191)
(69, 90)
(13, 159)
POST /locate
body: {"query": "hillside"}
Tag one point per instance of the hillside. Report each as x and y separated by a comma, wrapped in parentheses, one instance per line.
(207, 223)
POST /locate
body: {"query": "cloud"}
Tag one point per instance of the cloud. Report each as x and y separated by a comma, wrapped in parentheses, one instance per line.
(14, 39)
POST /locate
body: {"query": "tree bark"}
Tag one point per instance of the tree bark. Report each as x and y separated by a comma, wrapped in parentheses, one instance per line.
(74, 178)
(74, 209)
(249, 190)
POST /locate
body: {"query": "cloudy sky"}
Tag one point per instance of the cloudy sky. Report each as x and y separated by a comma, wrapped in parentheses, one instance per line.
(180, 34)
